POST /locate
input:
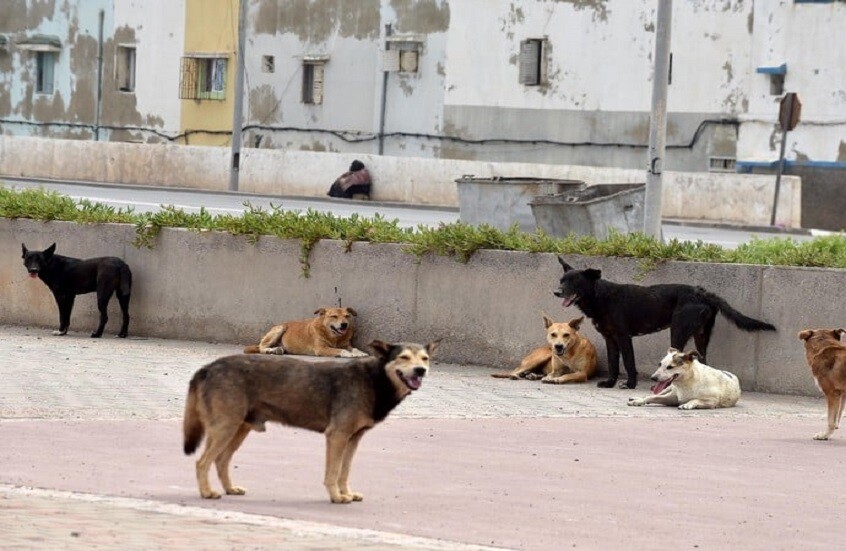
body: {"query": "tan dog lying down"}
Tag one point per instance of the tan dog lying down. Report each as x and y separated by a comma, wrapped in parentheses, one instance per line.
(329, 334)
(685, 382)
(826, 356)
(568, 357)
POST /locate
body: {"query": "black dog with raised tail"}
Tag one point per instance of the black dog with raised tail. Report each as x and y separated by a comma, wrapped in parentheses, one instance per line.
(622, 311)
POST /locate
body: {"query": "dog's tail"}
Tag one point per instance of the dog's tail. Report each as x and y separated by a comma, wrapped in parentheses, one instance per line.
(743, 322)
(502, 375)
(192, 425)
(252, 349)
(125, 280)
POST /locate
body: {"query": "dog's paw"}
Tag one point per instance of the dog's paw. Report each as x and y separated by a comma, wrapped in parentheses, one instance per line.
(96, 335)
(122, 335)
(533, 376)
(236, 491)
(607, 383)
(341, 498)
(356, 353)
(354, 495)
(687, 405)
(821, 436)
(635, 402)
(60, 333)
(211, 494)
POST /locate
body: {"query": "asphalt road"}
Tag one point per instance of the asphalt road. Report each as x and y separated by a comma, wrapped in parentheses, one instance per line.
(152, 198)
(92, 459)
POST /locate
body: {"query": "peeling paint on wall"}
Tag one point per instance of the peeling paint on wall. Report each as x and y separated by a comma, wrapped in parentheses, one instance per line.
(316, 21)
(598, 7)
(421, 16)
(265, 107)
(841, 153)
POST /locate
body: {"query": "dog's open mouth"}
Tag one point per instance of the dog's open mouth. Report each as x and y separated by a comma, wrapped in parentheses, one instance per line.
(569, 301)
(339, 330)
(413, 382)
(658, 388)
(33, 275)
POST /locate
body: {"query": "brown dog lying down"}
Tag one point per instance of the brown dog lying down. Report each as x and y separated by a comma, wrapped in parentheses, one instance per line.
(826, 356)
(328, 334)
(568, 357)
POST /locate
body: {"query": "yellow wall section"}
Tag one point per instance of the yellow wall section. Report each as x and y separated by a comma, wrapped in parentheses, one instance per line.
(211, 26)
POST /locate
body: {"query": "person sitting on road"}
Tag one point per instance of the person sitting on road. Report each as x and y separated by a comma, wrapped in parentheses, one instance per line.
(353, 184)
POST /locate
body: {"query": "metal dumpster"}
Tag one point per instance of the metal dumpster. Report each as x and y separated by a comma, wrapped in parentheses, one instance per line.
(593, 210)
(500, 201)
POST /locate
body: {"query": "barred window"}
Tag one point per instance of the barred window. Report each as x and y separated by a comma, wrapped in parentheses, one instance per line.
(203, 77)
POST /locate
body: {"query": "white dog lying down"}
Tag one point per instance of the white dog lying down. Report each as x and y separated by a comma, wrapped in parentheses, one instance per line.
(685, 382)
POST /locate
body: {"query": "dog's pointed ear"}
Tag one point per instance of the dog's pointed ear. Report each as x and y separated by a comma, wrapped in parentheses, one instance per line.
(564, 264)
(320, 311)
(24, 250)
(805, 335)
(352, 312)
(692, 355)
(547, 321)
(593, 274)
(48, 252)
(433, 345)
(380, 348)
(575, 323)
(671, 350)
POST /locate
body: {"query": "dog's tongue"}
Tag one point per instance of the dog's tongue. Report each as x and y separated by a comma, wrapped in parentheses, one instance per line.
(413, 382)
(568, 301)
(33, 275)
(656, 389)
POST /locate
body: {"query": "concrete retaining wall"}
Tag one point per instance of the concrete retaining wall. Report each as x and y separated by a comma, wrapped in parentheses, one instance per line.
(217, 287)
(715, 197)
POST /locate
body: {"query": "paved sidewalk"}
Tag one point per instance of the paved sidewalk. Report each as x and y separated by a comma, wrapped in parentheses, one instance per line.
(90, 460)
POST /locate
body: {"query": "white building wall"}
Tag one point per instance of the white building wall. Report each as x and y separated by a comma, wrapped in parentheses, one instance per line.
(159, 28)
(809, 39)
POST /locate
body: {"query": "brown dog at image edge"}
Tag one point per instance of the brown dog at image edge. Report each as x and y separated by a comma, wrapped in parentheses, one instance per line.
(826, 356)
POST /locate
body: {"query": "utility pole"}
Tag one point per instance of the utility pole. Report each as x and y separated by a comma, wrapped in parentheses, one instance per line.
(384, 100)
(658, 122)
(238, 102)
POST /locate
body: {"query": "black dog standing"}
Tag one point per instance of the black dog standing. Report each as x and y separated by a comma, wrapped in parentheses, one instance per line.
(622, 311)
(67, 277)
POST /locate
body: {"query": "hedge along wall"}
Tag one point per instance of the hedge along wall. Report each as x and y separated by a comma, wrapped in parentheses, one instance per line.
(218, 287)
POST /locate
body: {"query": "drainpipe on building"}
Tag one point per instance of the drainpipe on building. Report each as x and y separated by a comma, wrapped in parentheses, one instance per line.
(388, 32)
(238, 107)
(99, 77)
(658, 122)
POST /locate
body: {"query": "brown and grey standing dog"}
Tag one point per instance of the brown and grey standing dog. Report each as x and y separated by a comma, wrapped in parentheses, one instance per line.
(568, 357)
(328, 334)
(826, 356)
(342, 399)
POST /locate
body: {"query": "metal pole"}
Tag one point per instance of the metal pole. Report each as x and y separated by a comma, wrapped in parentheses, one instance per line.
(238, 107)
(780, 165)
(658, 121)
(99, 78)
(388, 31)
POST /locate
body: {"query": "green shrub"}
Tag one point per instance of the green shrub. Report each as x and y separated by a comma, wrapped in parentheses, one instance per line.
(457, 240)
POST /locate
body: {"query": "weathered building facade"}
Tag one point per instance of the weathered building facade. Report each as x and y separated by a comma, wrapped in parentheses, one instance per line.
(548, 81)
